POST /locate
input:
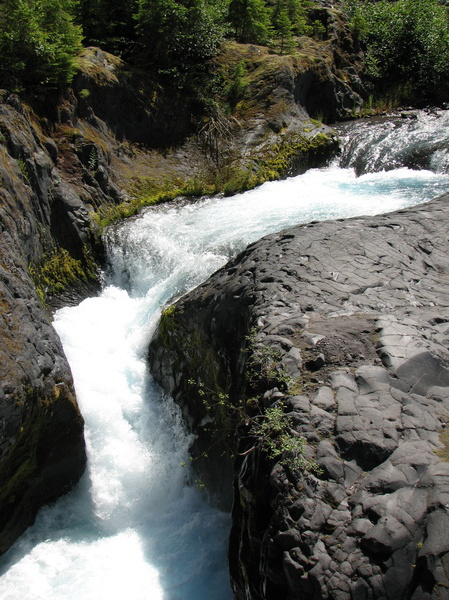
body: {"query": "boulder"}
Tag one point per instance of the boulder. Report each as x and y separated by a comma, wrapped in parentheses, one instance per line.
(344, 326)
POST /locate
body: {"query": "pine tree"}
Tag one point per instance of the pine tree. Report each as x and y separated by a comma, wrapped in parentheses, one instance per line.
(38, 44)
(296, 12)
(250, 20)
(283, 32)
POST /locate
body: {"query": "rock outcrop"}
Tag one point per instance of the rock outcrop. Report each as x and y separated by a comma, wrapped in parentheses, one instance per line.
(42, 450)
(345, 327)
(55, 173)
(285, 99)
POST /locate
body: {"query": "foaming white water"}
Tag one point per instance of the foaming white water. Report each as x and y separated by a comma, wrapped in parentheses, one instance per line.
(136, 527)
(420, 141)
(127, 531)
(171, 248)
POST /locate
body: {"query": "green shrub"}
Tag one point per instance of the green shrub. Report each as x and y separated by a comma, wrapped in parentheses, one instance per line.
(274, 435)
(38, 44)
(406, 42)
(271, 431)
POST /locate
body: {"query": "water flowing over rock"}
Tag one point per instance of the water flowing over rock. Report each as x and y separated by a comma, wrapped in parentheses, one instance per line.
(51, 175)
(55, 172)
(358, 313)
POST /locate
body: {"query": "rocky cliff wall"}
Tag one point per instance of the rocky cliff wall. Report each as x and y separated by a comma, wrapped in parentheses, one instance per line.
(41, 430)
(56, 172)
(343, 326)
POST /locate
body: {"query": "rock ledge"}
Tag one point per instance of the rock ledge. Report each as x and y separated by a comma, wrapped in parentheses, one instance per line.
(358, 312)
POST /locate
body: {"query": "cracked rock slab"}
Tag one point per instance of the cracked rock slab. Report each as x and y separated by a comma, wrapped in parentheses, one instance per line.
(358, 311)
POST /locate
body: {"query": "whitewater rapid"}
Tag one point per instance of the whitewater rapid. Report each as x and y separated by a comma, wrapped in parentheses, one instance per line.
(138, 526)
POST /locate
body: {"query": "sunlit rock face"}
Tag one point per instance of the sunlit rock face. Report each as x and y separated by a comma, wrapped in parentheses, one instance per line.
(357, 312)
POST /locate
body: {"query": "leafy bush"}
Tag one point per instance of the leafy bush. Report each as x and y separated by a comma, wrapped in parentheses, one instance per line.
(274, 434)
(38, 44)
(271, 431)
(406, 42)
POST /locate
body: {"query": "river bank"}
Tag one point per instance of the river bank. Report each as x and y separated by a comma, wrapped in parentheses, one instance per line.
(109, 145)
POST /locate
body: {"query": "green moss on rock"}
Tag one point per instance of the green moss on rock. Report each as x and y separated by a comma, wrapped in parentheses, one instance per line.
(58, 270)
(296, 152)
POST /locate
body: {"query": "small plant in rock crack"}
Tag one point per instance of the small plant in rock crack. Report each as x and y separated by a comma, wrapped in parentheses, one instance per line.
(210, 398)
(274, 434)
(23, 168)
(271, 431)
(263, 366)
(93, 159)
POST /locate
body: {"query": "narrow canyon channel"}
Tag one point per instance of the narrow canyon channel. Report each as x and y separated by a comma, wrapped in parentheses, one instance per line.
(138, 526)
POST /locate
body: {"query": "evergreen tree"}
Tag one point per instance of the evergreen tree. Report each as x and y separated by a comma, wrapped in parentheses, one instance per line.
(38, 44)
(177, 36)
(283, 32)
(250, 20)
(295, 11)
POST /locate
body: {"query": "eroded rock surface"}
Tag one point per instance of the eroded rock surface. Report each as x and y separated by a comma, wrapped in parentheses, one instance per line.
(358, 311)
(42, 452)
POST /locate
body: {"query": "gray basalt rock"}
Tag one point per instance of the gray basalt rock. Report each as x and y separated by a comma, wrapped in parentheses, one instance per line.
(42, 450)
(357, 313)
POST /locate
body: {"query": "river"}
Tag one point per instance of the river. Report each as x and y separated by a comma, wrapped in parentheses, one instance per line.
(138, 526)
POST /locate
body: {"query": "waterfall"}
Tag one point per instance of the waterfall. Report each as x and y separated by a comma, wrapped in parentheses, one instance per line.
(414, 139)
(138, 526)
